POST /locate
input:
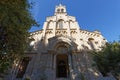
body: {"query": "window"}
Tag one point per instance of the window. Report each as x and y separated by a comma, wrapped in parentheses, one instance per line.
(58, 10)
(60, 24)
(62, 10)
(91, 43)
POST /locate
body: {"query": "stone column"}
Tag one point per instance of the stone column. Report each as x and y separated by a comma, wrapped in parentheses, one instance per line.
(68, 28)
(70, 66)
(54, 29)
(53, 66)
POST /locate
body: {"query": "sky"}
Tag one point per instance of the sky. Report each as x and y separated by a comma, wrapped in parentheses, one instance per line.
(101, 15)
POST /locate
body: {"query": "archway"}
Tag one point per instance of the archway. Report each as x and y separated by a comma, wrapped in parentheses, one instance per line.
(62, 69)
(91, 43)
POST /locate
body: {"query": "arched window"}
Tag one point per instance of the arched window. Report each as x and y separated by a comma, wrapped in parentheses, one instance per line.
(60, 24)
(62, 10)
(91, 43)
(49, 25)
(58, 10)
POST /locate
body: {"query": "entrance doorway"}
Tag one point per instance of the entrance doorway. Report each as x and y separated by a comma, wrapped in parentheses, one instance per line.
(62, 69)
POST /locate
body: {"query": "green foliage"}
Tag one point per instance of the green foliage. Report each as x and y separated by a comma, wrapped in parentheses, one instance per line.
(108, 60)
(15, 21)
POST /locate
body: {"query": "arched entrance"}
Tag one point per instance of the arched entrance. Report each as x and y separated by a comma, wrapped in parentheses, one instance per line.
(62, 69)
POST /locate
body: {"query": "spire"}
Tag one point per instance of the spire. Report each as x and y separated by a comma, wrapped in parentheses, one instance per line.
(60, 4)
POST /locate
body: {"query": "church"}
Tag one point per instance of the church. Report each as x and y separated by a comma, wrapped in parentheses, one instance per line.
(60, 51)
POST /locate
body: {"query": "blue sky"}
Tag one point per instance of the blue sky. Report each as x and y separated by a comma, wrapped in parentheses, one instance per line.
(102, 15)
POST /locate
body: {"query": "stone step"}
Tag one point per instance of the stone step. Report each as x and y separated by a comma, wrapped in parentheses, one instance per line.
(62, 79)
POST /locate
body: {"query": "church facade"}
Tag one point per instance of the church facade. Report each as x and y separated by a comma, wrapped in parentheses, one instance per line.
(60, 51)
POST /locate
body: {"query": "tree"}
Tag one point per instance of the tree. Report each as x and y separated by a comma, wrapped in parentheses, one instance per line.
(15, 22)
(108, 59)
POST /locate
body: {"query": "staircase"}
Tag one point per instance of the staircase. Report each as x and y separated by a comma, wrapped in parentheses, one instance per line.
(62, 79)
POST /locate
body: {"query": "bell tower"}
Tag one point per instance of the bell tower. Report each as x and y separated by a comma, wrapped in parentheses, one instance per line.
(60, 9)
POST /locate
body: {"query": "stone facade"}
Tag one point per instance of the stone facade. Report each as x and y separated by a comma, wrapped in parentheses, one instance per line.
(60, 51)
